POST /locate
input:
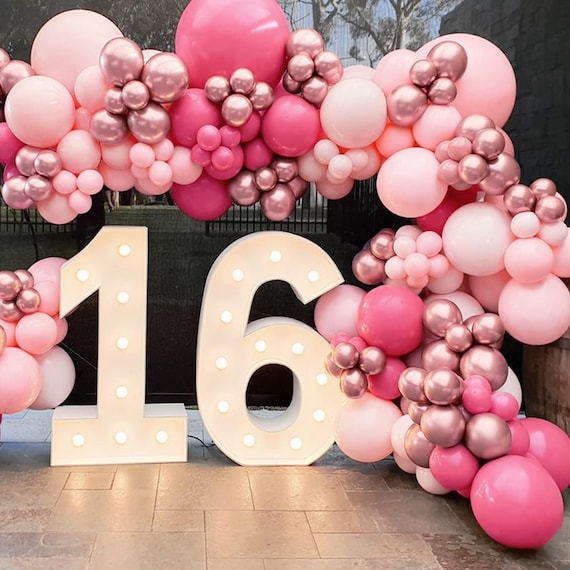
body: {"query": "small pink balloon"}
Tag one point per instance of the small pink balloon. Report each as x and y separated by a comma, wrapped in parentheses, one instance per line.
(336, 311)
(149, 125)
(222, 158)
(90, 182)
(278, 204)
(160, 173)
(454, 467)
(406, 104)
(49, 297)
(163, 150)
(504, 405)
(250, 130)
(36, 333)
(65, 182)
(20, 380)
(457, 148)
(121, 60)
(166, 77)
(80, 202)
(384, 384)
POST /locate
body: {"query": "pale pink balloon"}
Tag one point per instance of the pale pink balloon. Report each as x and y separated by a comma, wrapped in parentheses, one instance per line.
(65, 182)
(36, 333)
(337, 311)
(324, 150)
(56, 209)
(353, 114)
(90, 182)
(79, 151)
(429, 483)
(70, 42)
(475, 238)
(488, 85)
(554, 233)
(529, 260)
(47, 269)
(393, 139)
(160, 173)
(117, 180)
(393, 69)
(334, 191)
(20, 380)
(117, 155)
(184, 171)
(437, 124)
(371, 166)
(405, 463)
(62, 327)
(90, 88)
(487, 289)
(49, 295)
(163, 150)
(468, 305)
(339, 168)
(398, 434)
(142, 155)
(448, 282)
(58, 378)
(145, 186)
(525, 224)
(358, 72)
(39, 111)
(79, 202)
(546, 314)
(408, 183)
(309, 167)
(82, 119)
(561, 265)
(9, 331)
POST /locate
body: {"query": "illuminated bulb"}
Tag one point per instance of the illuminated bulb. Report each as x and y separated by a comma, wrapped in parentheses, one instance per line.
(296, 443)
(124, 250)
(78, 440)
(248, 440)
(82, 275)
(298, 348)
(226, 317)
(162, 436)
(275, 256)
(121, 437)
(319, 415)
(123, 297)
(122, 343)
(221, 363)
(121, 392)
(313, 276)
(322, 379)
(260, 346)
(238, 275)
(223, 407)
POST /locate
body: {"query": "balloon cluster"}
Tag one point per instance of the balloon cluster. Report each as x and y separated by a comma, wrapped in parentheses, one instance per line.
(34, 372)
(431, 80)
(218, 151)
(476, 155)
(310, 69)
(139, 89)
(11, 71)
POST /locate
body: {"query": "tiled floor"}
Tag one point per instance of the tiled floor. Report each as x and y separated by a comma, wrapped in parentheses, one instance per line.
(212, 514)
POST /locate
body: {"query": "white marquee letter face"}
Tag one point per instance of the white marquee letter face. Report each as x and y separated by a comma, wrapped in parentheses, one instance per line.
(230, 350)
(121, 428)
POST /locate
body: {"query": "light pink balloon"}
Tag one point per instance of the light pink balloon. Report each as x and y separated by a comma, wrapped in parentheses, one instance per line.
(448, 282)
(358, 72)
(10, 331)
(184, 171)
(142, 155)
(337, 311)
(429, 483)
(36, 333)
(408, 183)
(79, 202)
(394, 139)
(546, 314)
(56, 209)
(488, 85)
(117, 155)
(49, 294)
(62, 327)
(58, 378)
(353, 114)
(117, 180)
(561, 266)
(70, 42)
(394, 69)
(160, 173)
(90, 88)
(529, 260)
(47, 269)
(371, 166)
(487, 289)
(20, 380)
(39, 111)
(309, 168)
(65, 182)
(90, 182)
(79, 151)
(334, 191)
(398, 434)
(437, 124)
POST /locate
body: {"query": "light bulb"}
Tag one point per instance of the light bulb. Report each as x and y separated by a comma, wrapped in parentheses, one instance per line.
(82, 275)
(275, 256)
(124, 250)
(121, 437)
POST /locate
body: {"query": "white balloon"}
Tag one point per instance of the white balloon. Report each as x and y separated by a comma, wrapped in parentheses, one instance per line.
(428, 482)
(405, 464)
(512, 386)
(398, 435)
(58, 378)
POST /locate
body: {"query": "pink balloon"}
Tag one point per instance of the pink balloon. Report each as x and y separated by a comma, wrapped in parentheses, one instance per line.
(79, 151)
(362, 428)
(191, 112)
(36, 333)
(394, 69)
(205, 199)
(117, 180)
(468, 306)
(291, 126)
(90, 88)
(9, 144)
(65, 182)
(408, 183)
(551, 446)
(428, 482)
(337, 311)
(453, 467)
(437, 124)
(529, 260)
(145, 186)
(435, 220)
(10, 331)
(393, 139)
(39, 111)
(20, 380)
(520, 438)
(358, 72)
(80, 202)
(117, 155)
(370, 168)
(56, 209)
(334, 191)
(390, 318)
(385, 384)
(353, 114)
(184, 171)
(488, 85)
(516, 502)
(256, 154)
(546, 314)
(487, 289)
(160, 173)
(62, 327)
(49, 293)
(561, 265)
(504, 405)
(260, 25)
(58, 377)
(47, 269)
(70, 42)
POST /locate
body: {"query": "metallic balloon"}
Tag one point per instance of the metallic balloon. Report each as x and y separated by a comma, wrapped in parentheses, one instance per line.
(472, 169)
(411, 384)
(345, 355)
(406, 104)
(166, 77)
(13, 72)
(443, 386)
(3, 338)
(329, 67)
(265, 178)
(404, 404)
(108, 128)
(488, 436)
(242, 81)
(489, 143)
(47, 163)
(243, 190)
(550, 209)
(9, 311)
(298, 186)
(149, 125)
(487, 362)
(438, 355)
(488, 329)
(262, 96)
(458, 337)
(442, 91)
(315, 90)
(292, 86)
(28, 300)
(367, 268)
(448, 172)
(353, 383)
(305, 40)
(543, 187)
(382, 245)
(417, 446)
(504, 171)
(38, 188)
(285, 168)
(121, 60)
(416, 411)
(13, 193)
(458, 147)
(372, 360)
(114, 101)
(301, 67)
(331, 367)
(10, 285)
(135, 95)
(217, 88)
(423, 72)
(443, 425)
(25, 277)
(25, 159)
(236, 110)
(279, 203)
(449, 58)
(439, 314)
(519, 198)
(472, 124)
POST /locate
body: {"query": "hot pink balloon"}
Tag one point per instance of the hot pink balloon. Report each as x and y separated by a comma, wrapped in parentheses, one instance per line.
(337, 310)
(385, 384)
(453, 467)
(20, 380)
(9, 144)
(205, 199)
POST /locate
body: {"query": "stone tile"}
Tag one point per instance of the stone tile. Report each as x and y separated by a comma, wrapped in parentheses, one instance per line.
(90, 480)
(102, 511)
(24, 456)
(334, 521)
(199, 487)
(558, 548)
(136, 477)
(257, 534)
(354, 564)
(24, 520)
(335, 459)
(407, 512)
(235, 564)
(30, 489)
(408, 548)
(394, 477)
(298, 492)
(178, 521)
(352, 480)
(44, 563)
(48, 545)
(148, 551)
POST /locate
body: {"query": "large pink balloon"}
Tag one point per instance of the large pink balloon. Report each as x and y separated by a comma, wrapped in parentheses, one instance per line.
(216, 37)
(337, 310)
(362, 428)
(516, 502)
(487, 289)
(488, 85)
(39, 111)
(535, 313)
(20, 380)
(205, 199)
(56, 209)
(58, 378)
(408, 183)
(394, 69)
(353, 114)
(475, 238)
(70, 42)
(47, 269)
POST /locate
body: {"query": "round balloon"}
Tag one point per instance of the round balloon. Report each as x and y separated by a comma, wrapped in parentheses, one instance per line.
(205, 199)
(337, 311)
(20, 380)
(58, 378)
